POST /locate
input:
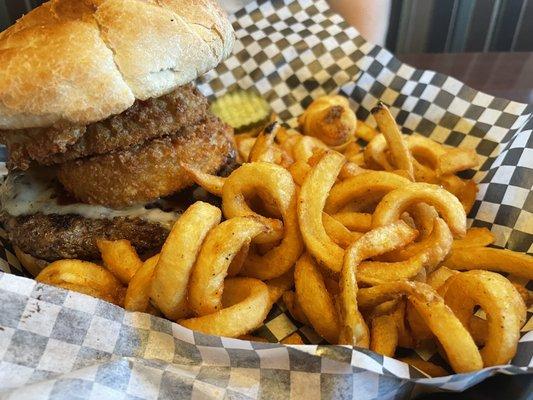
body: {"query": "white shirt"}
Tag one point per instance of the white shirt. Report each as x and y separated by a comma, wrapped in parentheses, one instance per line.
(233, 5)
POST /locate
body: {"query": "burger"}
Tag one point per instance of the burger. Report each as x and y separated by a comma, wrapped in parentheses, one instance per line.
(97, 111)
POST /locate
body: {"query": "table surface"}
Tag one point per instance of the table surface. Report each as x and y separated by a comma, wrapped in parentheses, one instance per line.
(507, 75)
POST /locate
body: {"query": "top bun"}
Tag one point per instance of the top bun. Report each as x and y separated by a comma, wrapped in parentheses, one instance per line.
(83, 60)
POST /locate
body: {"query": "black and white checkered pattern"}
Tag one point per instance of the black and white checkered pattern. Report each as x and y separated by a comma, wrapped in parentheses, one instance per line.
(57, 344)
(54, 343)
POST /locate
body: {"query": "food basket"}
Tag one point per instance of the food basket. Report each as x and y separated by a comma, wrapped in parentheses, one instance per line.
(56, 344)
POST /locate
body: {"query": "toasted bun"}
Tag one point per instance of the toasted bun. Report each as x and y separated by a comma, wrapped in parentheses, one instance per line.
(83, 60)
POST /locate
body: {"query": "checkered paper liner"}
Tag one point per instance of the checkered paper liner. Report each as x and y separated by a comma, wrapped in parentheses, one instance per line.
(58, 344)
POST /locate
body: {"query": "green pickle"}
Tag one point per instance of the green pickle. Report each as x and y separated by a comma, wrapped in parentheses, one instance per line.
(243, 110)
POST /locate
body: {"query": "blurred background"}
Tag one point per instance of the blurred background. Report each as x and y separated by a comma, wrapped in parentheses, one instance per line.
(451, 26)
(416, 26)
(488, 44)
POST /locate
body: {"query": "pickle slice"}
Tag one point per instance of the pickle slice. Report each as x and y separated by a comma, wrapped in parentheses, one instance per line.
(243, 110)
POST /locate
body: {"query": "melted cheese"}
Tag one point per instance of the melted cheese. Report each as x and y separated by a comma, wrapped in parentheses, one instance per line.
(31, 193)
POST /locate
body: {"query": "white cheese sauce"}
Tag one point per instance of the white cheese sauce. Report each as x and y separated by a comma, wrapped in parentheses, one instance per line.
(34, 192)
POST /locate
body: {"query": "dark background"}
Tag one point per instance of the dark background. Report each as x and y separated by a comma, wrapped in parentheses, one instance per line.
(443, 26)
(422, 26)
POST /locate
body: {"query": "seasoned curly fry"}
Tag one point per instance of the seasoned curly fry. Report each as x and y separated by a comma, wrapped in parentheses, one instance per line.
(397, 146)
(311, 201)
(363, 245)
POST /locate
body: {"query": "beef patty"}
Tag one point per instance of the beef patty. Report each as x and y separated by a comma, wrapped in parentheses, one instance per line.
(52, 237)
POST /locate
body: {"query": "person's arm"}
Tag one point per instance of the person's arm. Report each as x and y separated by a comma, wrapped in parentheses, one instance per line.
(369, 17)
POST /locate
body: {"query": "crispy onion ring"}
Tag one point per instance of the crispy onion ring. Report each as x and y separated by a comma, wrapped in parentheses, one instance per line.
(396, 202)
(311, 201)
(246, 304)
(378, 241)
(220, 247)
(315, 300)
(505, 309)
